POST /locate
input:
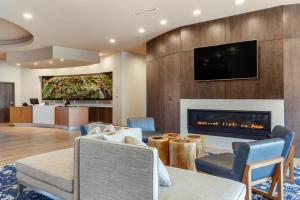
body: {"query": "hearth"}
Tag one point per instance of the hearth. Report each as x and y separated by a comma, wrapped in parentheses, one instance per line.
(228, 123)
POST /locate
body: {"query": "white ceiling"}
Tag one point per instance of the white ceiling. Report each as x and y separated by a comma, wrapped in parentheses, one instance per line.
(89, 24)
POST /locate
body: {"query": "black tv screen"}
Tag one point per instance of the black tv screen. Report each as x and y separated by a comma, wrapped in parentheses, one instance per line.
(229, 61)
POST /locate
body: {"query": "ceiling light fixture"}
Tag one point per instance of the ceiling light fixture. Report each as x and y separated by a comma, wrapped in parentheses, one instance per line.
(141, 30)
(112, 40)
(100, 54)
(163, 22)
(239, 2)
(62, 60)
(35, 63)
(51, 62)
(197, 12)
(18, 64)
(27, 16)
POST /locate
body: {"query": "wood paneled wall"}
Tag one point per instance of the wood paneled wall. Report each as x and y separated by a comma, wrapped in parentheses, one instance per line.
(170, 64)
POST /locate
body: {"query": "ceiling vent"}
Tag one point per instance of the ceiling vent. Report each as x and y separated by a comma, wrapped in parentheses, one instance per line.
(146, 11)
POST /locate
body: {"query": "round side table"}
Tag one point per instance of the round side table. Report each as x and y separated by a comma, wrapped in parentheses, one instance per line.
(162, 145)
(171, 136)
(200, 144)
(183, 154)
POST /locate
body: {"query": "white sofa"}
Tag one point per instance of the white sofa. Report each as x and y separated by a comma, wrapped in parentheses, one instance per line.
(102, 170)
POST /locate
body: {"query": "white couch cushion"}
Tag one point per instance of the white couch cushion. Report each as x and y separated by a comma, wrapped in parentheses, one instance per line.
(195, 186)
(54, 168)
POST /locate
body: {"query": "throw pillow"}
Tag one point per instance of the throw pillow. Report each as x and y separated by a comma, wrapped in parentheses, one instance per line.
(109, 128)
(163, 174)
(133, 132)
(117, 137)
(95, 130)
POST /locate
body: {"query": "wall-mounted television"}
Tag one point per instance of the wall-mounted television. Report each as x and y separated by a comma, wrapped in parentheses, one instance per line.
(78, 87)
(228, 61)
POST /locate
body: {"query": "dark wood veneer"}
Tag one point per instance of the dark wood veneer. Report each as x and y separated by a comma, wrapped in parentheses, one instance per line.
(291, 86)
(101, 114)
(277, 31)
(291, 22)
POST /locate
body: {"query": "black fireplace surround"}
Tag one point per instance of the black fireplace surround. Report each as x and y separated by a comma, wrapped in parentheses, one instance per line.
(230, 123)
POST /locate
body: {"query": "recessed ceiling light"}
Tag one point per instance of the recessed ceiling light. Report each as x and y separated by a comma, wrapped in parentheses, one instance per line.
(51, 62)
(112, 40)
(27, 16)
(239, 2)
(197, 12)
(141, 30)
(62, 60)
(18, 64)
(35, 63)
(163, 22)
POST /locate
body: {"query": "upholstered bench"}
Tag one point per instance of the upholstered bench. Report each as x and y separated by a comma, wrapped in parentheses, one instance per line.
(104, 170)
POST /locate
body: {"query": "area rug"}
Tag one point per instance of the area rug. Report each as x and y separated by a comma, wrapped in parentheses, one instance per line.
(8, 187)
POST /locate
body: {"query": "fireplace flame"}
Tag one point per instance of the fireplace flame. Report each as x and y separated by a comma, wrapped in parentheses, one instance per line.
(231, 124)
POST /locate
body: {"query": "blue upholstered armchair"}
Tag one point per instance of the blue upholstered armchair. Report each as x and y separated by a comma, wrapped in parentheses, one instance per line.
(146, 124)
(260, 157)
(288, 150)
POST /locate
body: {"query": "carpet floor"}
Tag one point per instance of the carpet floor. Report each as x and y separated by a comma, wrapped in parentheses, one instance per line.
(8, 187)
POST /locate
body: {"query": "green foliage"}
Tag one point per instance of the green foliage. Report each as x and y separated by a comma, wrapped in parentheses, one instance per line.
(92, 87)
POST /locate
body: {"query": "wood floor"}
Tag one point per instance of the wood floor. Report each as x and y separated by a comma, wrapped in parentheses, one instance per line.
(21, 142)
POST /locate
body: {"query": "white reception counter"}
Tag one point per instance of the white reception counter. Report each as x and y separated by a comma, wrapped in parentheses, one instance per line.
(43, 114)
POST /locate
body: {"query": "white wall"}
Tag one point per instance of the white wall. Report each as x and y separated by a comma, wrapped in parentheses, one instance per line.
(133, 86)
(11, 74)
(129, 83)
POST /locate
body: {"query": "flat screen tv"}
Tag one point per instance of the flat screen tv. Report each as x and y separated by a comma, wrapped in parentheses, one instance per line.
(228, 61)
(78, 87)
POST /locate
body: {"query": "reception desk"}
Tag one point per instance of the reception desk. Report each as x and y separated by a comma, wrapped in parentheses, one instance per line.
(21, 115)
(69, 118)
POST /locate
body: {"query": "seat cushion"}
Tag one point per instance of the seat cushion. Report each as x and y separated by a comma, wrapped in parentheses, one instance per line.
(54, 168)
(194, 186)
(218, 165)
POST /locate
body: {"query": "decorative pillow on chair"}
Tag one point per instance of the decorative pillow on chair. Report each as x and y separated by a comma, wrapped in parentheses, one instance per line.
(163, 174)
(95, 130)
(110, 128)
(133, 132)
(116, 137)
(119, 136)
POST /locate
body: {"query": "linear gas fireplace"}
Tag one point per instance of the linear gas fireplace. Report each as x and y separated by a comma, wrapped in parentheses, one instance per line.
(225, 123)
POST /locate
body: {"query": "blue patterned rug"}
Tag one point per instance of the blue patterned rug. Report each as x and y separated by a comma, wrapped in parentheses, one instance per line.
(8, 187)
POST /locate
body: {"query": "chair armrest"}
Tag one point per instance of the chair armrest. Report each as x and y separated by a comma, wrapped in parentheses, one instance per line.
(264, 163)
(235, 146)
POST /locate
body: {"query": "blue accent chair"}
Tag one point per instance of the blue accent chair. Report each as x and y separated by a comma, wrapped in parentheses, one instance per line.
(288, 151)
(262, 158)
(146, 124)
(84, 129)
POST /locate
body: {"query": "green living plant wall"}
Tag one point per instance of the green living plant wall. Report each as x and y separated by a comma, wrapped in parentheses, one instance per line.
(78, 87)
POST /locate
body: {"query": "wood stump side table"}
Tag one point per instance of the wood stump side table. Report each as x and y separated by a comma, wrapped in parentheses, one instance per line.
(162, 145)
(183, 154)
(171, 136)
(200, 144)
